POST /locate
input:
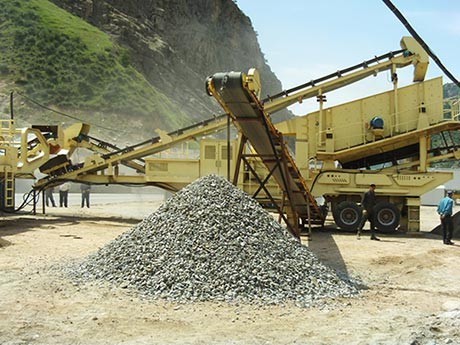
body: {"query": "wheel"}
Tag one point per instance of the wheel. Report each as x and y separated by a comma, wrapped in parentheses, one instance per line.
(386, 216)
(347, 215)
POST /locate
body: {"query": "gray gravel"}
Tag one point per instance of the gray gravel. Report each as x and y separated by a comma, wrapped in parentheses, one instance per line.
(212, 242)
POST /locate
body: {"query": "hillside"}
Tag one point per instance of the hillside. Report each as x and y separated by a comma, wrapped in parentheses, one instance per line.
(125, 67)
(451, 90)
(109, 62)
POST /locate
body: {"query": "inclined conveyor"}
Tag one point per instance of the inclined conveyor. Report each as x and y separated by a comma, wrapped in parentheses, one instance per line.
(247, 113)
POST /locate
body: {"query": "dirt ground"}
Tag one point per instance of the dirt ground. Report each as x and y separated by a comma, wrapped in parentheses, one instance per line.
(411, 293)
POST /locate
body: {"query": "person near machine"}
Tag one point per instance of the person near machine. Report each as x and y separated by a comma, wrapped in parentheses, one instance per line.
(49, 198)
(64, 194)
(445, 211)
(368, 202)
(85, 190)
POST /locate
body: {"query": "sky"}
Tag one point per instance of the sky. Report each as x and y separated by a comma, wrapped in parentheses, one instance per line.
(307, 39)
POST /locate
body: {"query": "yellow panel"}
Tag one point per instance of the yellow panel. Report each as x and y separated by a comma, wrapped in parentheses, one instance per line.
(349, 121)
(382, 191)
(413, 180)
(377, 179)
(171, 170)
(334, 178)
(412, 201)
(347, 124)
(213, 157)
(156, 166)
(209, 152)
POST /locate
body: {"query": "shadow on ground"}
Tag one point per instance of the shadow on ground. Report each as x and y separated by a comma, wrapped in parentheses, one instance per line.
(12, 224)
(324, 246)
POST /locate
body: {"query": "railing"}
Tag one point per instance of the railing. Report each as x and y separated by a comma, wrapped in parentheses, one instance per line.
(8, 134)
(455, 110)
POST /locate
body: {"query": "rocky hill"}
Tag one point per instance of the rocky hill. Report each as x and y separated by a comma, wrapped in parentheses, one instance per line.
(450, 90)
(113, 62)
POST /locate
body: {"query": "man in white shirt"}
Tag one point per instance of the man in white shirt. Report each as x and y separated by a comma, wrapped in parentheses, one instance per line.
(64, 194)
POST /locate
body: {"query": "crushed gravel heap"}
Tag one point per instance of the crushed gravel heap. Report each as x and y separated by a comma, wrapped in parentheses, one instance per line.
(213, 242)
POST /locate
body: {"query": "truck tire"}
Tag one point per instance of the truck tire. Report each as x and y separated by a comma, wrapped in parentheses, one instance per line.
(387, 216)
(347, 215)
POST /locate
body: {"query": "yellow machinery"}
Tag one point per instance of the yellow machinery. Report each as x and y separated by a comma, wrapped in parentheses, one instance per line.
(49, 149)
(23, 151)
(382, 139)
(102, 167)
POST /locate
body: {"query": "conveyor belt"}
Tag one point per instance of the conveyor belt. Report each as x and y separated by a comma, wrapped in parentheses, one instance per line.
(337, 74)
(131, 156)
(248, 115)
(215, 123)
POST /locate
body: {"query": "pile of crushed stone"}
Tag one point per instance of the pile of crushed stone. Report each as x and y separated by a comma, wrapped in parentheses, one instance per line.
(212, 242)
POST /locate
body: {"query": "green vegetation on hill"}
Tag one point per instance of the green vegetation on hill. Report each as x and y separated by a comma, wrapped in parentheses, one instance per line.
(451, 93)
(60, 60)
(450, 90)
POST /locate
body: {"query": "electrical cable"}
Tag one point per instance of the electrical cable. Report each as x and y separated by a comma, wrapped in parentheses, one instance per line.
(64, 114)
(27, 200)
(417, 37)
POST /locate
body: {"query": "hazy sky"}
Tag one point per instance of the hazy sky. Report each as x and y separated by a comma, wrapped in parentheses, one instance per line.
(305, 39)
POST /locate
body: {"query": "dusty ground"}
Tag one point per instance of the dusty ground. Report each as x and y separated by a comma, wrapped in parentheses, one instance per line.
(412, 295)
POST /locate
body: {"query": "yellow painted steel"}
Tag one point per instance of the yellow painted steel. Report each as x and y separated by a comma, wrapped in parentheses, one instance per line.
(348, 124)
(343, 135)
(106, 158)
(23, 150)
(102, 162)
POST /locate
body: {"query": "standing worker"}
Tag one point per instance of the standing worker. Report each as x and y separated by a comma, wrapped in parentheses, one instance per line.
(49, 196)
(85, 189)
(64, 194)
(368, 202)
(445, 210)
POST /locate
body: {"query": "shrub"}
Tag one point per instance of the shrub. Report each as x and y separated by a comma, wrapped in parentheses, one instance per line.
(4, 68)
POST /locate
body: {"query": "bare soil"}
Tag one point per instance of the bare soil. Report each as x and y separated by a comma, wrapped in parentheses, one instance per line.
(411, 290)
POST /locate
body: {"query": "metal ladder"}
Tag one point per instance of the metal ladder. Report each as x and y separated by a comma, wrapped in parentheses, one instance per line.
(8, 197)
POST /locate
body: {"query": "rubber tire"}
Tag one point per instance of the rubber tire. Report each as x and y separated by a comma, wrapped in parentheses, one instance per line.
(386, 216)
(348, 215)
